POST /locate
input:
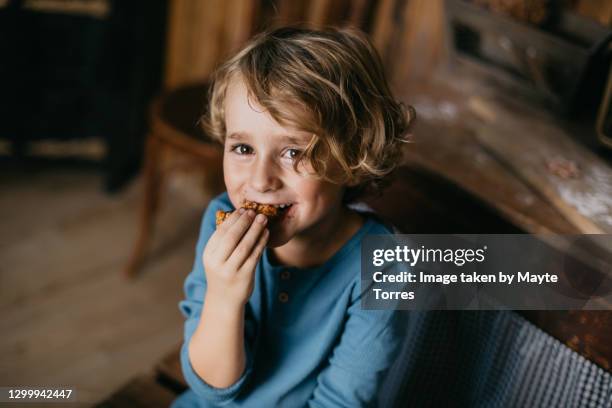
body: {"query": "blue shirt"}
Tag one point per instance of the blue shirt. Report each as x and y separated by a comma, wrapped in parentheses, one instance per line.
(308, 342)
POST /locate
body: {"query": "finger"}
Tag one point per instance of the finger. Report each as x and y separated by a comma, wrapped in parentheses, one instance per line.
(249, 264)
(231, 220)
(248, 242)
(234, 233)
(223, 227)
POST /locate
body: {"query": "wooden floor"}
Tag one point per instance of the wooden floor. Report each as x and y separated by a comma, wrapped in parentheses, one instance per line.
(67, 317)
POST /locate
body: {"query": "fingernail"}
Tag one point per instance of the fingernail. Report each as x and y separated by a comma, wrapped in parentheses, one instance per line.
(261, 218)
(251, 213)
(241, 210)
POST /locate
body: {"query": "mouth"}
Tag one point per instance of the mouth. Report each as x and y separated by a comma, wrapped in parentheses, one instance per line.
(282, 208)
(272, 210)
(283, 214)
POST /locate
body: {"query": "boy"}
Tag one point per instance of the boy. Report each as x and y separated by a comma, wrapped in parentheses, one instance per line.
(273, 310)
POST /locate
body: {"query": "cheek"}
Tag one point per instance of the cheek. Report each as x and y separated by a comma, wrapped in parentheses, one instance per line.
(227, 168)
(232, 177)
(319, 194)
(231, 169)
(227, 174)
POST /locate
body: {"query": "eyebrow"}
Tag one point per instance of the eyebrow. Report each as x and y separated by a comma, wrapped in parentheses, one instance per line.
(292, 139)
(236, 135)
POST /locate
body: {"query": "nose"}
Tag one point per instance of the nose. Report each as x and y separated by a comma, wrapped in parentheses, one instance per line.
(265, 176)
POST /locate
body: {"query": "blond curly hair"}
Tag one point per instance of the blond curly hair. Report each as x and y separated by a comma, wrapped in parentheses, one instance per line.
(326, 82)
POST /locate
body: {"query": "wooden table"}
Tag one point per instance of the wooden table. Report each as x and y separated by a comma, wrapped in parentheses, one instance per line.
(500, 149)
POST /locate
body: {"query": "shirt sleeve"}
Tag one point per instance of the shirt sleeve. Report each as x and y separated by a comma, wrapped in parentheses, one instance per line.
(358, 365)
(191, 308)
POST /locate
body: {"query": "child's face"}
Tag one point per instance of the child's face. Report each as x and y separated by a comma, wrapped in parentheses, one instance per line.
(258, 166)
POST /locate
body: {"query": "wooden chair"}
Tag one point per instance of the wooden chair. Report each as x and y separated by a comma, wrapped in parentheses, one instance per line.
(175, 142)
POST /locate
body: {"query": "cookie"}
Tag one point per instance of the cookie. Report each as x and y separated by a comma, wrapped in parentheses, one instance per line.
(265, 209)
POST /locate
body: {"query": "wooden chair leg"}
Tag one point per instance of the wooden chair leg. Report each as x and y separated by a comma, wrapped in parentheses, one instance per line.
(150, 204)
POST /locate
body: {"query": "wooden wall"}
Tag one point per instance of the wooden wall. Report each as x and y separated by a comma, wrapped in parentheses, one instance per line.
(409, 34)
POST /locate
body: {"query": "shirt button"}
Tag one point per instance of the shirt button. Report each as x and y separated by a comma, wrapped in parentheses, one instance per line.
(283, 297)
(285, 275)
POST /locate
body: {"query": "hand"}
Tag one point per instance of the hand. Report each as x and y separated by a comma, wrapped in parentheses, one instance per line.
(231, 256)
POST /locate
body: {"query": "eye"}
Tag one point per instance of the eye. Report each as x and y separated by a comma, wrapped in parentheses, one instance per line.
(242, 149)
(292, 154)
